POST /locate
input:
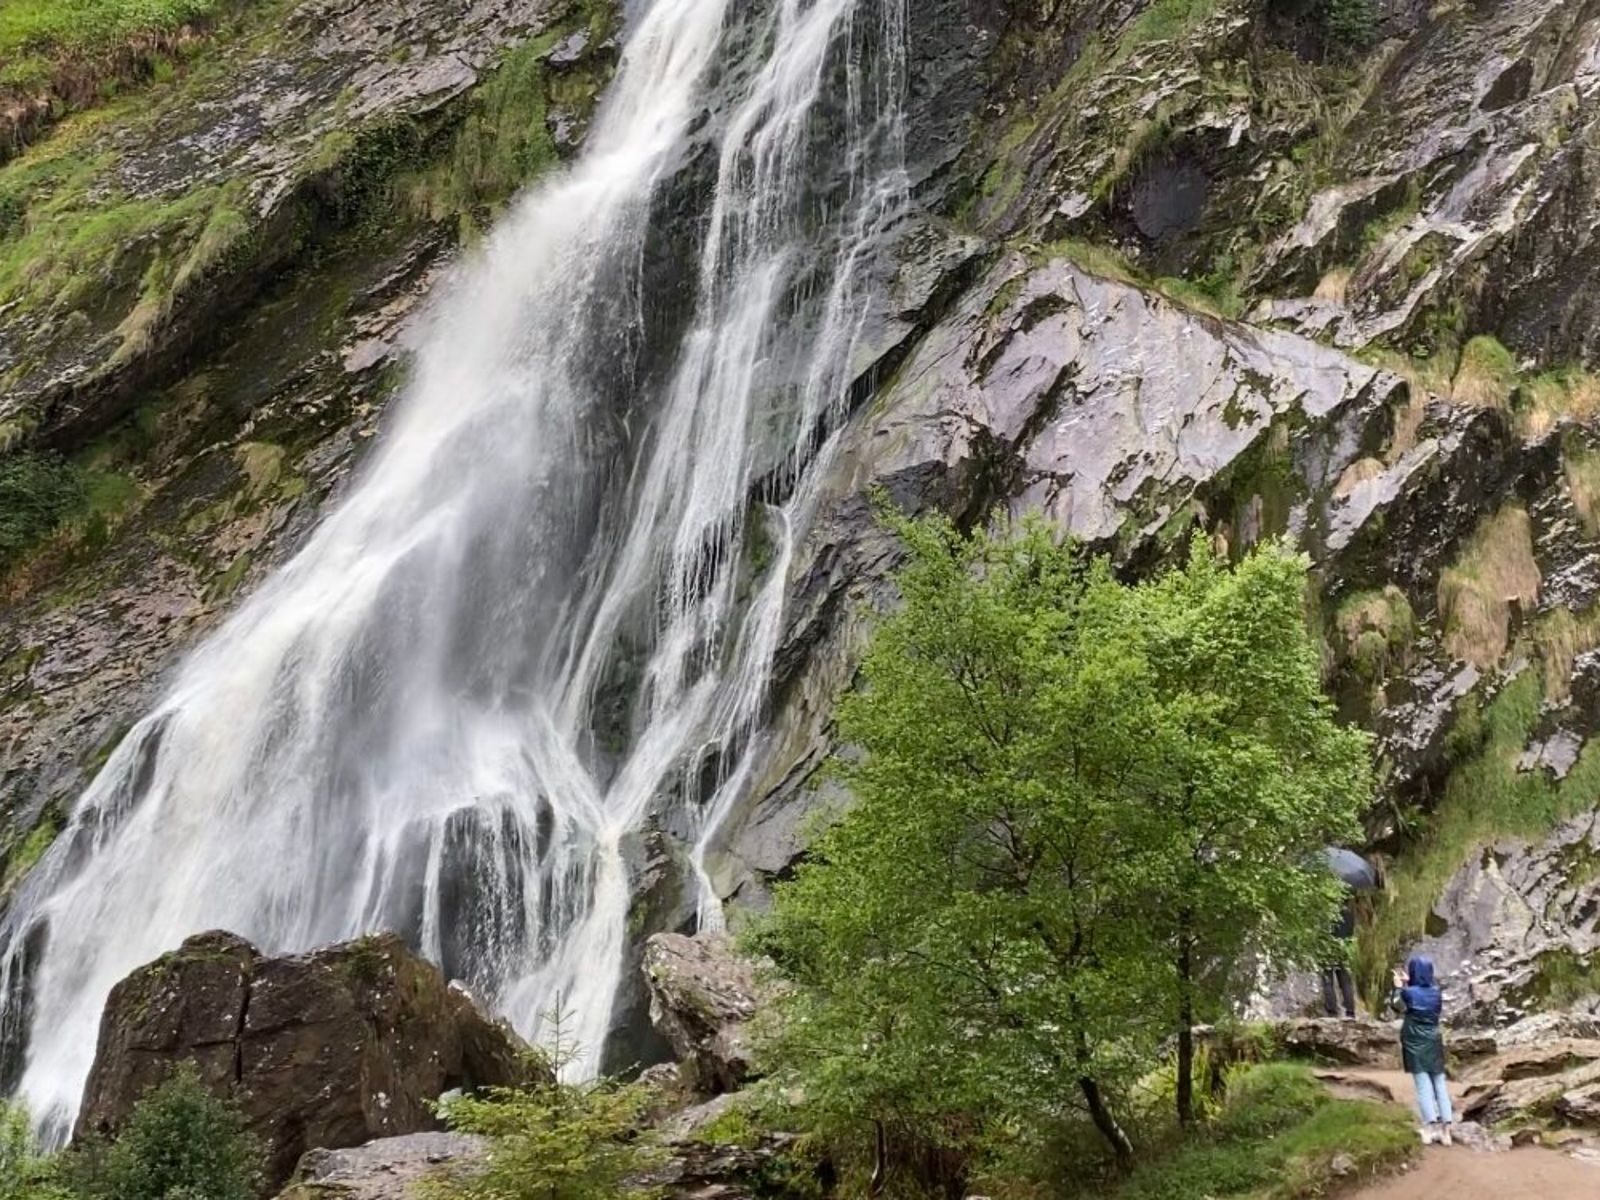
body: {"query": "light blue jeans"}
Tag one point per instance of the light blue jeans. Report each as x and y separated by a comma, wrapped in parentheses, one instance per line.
(1433, 1098)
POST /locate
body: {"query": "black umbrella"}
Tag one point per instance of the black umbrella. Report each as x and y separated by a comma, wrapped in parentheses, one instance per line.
(1349, 866)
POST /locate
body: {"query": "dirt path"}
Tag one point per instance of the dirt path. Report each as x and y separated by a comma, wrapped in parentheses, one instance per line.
(1457, 1173)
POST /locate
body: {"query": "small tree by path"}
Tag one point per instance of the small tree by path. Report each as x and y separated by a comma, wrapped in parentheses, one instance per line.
(1247, 778)
(1076, 802)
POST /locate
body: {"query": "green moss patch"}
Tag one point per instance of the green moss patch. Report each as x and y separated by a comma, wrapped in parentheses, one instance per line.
(1376, 630)
(24, 853)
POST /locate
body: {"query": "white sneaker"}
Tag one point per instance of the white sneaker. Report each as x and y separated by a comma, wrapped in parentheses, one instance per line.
(1444, 1135)
(1427, 1135)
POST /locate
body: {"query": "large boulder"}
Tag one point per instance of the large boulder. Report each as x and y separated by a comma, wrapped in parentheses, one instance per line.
(702, 998)
(385, 1169)
(1559, 1078)
(323, 1050)
(1358, 1043)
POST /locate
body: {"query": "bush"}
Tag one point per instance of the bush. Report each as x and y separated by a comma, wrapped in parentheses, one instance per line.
(553, 1141)
(180, 1143)
(25, 1172)
(1349, 26)
(36, 493)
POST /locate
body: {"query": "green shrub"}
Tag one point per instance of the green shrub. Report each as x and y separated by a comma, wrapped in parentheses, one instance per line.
(180, 1141)
(36, 493)
(553, 1141)
(1349, 26)
(25, 1172)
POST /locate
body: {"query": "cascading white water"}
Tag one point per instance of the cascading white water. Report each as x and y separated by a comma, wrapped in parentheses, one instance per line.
(413, 724)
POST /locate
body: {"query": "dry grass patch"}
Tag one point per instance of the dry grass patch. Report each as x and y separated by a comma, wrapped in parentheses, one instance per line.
(1567, 394)
(1357, 473)
(1560, 636)
(1582, 469)
(1486, 374)
(1496, 573)
(1334, 286)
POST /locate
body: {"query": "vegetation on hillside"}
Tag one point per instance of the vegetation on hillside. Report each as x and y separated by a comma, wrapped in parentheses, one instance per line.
(40, 37)
(973, 953)
(180, 1143)
(1277, 1137)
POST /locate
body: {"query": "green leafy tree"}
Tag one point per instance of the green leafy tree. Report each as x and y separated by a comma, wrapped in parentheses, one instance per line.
(179, 1141)
(970, 936)
(990, 933)
(1246, 778)
(26, 1172)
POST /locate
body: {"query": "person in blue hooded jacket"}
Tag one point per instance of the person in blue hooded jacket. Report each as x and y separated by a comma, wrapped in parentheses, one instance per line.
(1418, 997)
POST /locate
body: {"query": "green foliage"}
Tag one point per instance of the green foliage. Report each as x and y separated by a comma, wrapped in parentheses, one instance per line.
(1043, 749)
(36, 493)
(1097, 259)
(1217, 292)
(1275, 1139)
(1562, 978)
(1376, 630)
(36, 35)
(179, 1139)
(1486, 373)
(26, 1173)
(554, 1141)
(1348, 26)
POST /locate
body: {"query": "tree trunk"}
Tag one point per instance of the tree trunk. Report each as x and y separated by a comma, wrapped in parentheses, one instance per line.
(1186, 1071)
(880, 1160)
(1106, 1123)
(1185, 1021)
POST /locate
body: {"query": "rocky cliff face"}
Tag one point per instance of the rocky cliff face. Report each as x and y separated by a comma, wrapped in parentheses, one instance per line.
(1176, 263)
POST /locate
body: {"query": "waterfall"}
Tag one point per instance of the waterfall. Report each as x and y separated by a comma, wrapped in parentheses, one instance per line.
(553, 594)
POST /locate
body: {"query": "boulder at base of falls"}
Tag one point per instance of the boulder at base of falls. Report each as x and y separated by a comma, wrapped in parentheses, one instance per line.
(385, 1169)
(702, 997)
(325, 1050)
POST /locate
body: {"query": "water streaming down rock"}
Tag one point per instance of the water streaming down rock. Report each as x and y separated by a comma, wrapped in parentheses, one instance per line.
(535, 615)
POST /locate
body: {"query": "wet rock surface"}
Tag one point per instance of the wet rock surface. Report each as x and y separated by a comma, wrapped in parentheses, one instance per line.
(320, 1051)
(1512, 915)
(702, 999)
(1127, 420)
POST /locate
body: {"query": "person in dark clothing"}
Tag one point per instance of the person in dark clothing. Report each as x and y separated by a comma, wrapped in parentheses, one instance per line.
(1422, 1046)
(1336, 982)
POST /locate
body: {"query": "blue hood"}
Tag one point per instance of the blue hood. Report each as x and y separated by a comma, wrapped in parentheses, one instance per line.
(1421, 995)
